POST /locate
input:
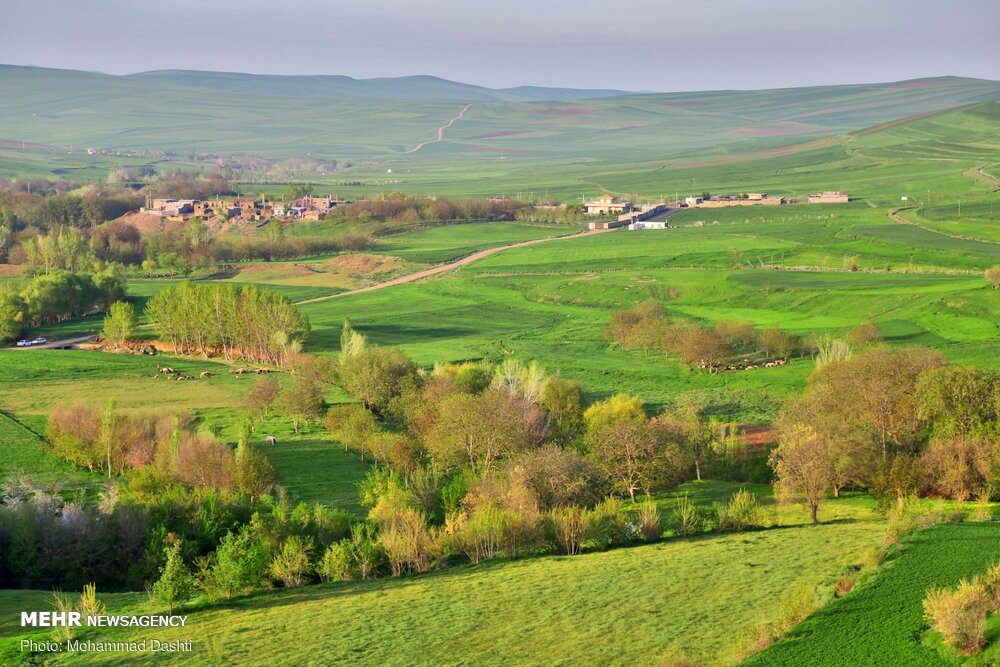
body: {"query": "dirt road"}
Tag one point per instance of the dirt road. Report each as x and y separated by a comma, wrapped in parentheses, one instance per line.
(441, 130)
(55, 344)
(451, 266)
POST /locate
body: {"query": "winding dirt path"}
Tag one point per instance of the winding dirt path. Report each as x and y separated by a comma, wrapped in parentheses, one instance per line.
(451, 266)
(441, 130)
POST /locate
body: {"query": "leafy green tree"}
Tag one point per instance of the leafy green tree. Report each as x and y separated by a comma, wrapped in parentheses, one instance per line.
(176, 583)
(375, 374)
(239, 566)
(619, 440)
(120, 323)
(11, 314)
(302, 402)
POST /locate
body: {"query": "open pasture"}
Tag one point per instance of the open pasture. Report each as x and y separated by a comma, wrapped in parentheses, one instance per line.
(570, 607)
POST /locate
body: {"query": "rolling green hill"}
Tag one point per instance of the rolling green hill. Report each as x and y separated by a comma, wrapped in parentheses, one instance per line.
(346, 119)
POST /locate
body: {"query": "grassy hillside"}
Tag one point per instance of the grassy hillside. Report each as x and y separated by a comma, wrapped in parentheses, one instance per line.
(624, 606)
(281, 117)
(882, 621)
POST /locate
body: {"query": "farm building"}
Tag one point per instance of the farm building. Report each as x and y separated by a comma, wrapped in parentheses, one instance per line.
(648, 224)
(607, 205)
(828, 197)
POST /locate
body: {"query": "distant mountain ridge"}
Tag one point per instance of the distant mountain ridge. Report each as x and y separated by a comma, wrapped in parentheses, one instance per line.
(417, 87)
(427, 118)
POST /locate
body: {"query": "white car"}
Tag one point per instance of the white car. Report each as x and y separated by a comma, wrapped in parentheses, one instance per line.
(23, 343)
(39, 341)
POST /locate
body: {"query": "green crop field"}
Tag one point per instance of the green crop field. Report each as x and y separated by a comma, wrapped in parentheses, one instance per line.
(881, 622)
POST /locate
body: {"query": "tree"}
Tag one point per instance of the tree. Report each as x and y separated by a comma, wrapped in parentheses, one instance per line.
(992, 274)
(253, 473)
(865, 333)
(620, 442)
(375, 374)
(801, 464)
(11, 314)
(262, 395)
(955, 400)
(876, 389)
(774, 341)
(301, 402)
(852, 452)
(176, 584)
(960, 466)
(240, 564)
(688, 434)
(703, 348)
(120, 323)
(475, 431)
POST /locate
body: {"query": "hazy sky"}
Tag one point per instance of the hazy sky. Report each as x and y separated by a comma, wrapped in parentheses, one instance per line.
(631, 44)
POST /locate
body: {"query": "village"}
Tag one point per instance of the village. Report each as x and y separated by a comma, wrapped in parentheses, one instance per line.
(654, 216)
(248, 210)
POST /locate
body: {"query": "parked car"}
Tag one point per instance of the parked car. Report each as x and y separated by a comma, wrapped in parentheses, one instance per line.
(23, 343)
(39, 341)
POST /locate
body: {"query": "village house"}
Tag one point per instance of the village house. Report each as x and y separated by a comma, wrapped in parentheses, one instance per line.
(607, 205)
(749, 199)
(828, 197)
(246, 209)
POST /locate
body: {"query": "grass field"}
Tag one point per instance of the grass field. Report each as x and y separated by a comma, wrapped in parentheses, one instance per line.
(624, 606)
(881, 622)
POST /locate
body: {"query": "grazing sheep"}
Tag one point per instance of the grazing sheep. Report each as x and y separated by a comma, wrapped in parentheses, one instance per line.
(204, 375)
(270, 439)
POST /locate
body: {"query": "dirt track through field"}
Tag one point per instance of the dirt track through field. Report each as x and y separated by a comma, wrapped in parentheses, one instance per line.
(441, 130)
(451, 266)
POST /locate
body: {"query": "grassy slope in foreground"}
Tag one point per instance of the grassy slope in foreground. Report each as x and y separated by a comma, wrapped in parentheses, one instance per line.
(882, 621)
(628, 606)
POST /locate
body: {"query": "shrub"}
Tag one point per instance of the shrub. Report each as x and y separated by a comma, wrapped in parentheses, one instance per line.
(175, 585)
(608, 525)
(991, 585)
(742, 512)
(797, 605)
(846, 584)
(569, 528)
(753, 640)
(408, 542)
(89, 605)
(337, 562)
(291, 564)
(686, 517)
(649, 520)
(959, 615)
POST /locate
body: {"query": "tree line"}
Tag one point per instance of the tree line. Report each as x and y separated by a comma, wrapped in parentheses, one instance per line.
(247, 323)
(648, 327)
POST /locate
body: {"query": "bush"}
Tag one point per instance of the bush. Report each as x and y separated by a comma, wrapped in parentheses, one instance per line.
(291, 564)
(797, 605)
(608, 525)
(569, 528)
(742, 512)
(753, 640)
(846, 584)
(650, 524)
(337, 563)
(959, 615)
(687, 518)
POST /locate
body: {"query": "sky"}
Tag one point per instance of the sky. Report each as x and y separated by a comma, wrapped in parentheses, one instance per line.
(648, 45)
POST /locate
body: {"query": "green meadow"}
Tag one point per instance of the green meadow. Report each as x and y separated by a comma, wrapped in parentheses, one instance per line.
(914, 267)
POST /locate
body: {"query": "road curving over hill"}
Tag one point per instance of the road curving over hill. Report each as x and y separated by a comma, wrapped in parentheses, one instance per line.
(440, 135)
(452, 266)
